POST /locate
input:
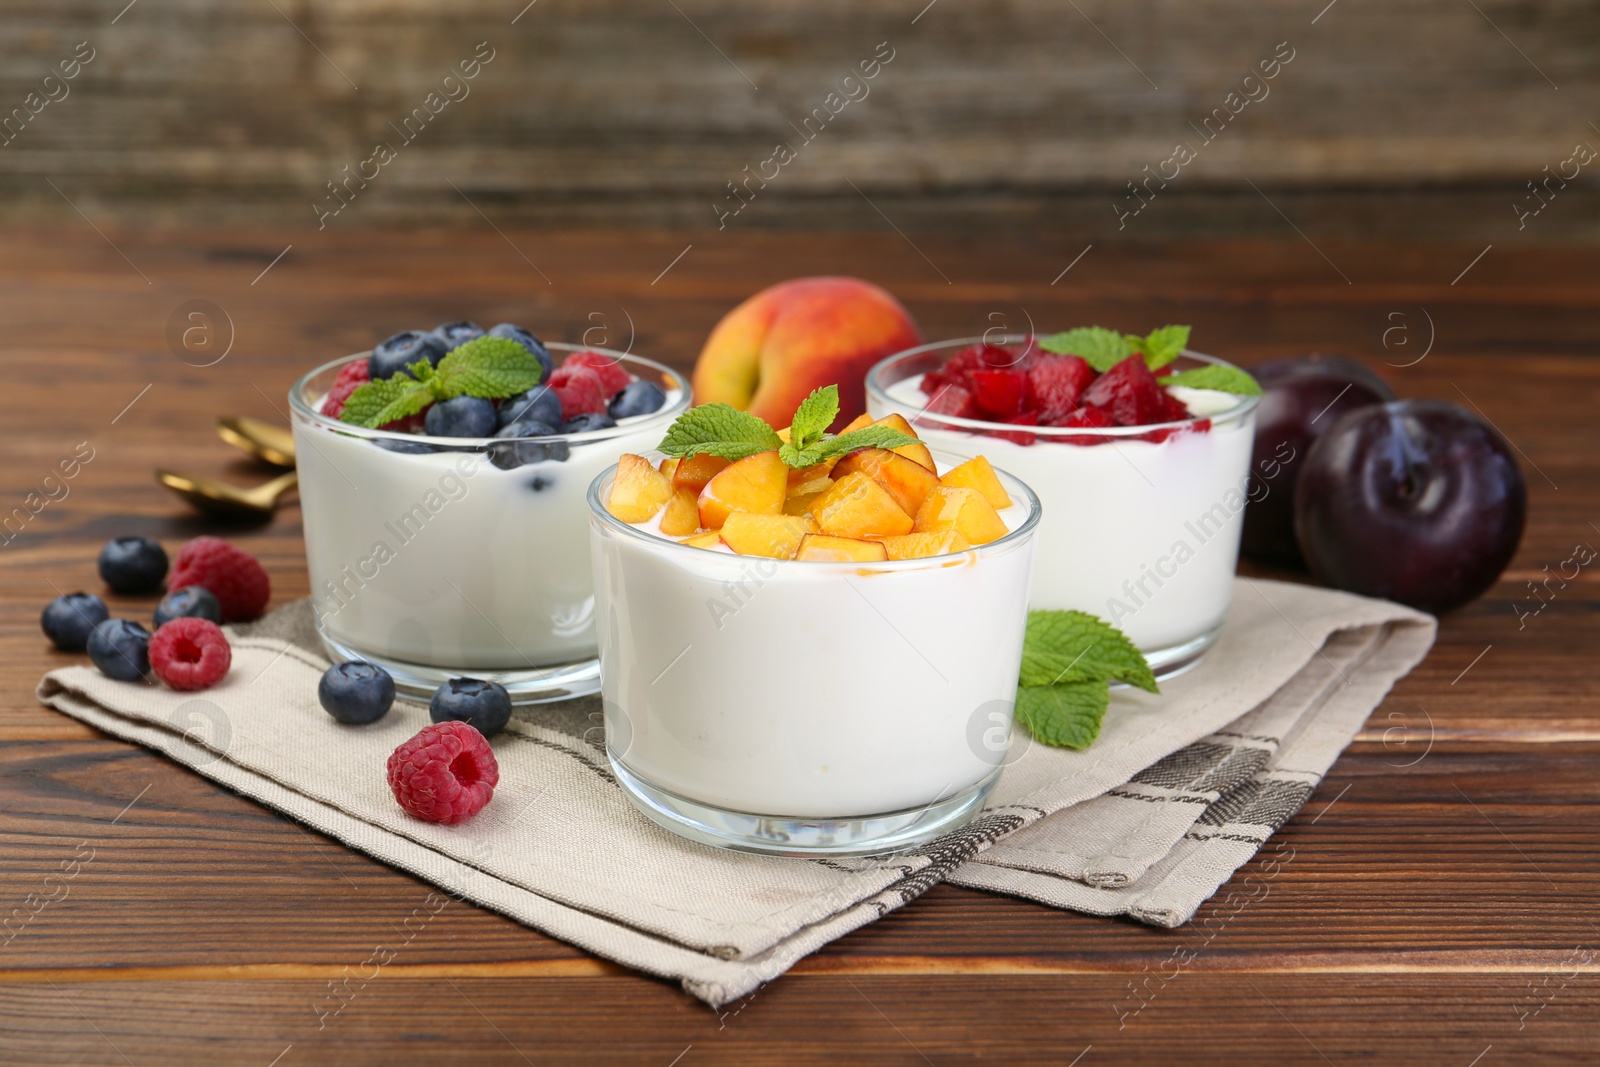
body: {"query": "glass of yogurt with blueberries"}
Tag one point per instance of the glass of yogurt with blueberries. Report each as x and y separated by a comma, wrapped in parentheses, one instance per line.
(1138, 448)
(442, 484)
(815, 659)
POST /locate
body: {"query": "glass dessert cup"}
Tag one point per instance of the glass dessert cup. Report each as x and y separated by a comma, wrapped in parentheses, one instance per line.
(441, 564)
(808, 708)
(1144, 534)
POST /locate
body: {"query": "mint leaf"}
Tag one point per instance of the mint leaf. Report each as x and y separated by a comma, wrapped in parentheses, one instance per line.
(719, 430)
(1100, 347)
(1067, 715)
(1074, 646)
(813, 417)
(378, 402)
(1222, 379)
(488, 367)
(1162, 346)
(843, 444)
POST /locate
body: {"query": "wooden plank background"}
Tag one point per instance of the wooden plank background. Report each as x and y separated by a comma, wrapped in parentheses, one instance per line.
(1403, 118)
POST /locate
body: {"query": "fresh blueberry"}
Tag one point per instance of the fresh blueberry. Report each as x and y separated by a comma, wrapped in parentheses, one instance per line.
(460, 416)
(457, 333)
(121, 649)
(530, 342)
(192, 601)
(529, 441)
(403, 349)
(539, 404)
(133, 565)
(485, 706)
(588, 421)
(356, 692)
(638, 397)
(69, 620)
(411, 448)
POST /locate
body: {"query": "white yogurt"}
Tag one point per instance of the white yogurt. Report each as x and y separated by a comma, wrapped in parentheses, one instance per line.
(809, 690)
(445, 561)
(1140, 533)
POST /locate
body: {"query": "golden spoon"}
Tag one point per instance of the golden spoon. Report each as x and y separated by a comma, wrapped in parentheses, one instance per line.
(261, 439)
(229, 501)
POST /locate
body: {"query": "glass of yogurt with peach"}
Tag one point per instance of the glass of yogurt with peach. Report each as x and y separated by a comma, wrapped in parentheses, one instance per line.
(811, 660)
(1142, 472)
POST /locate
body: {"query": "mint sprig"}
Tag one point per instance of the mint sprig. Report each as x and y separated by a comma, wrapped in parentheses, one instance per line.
(1103, 349)
(1221, 379)
(1069, 660)
(723, 430)
(718, 430)
(488, 367)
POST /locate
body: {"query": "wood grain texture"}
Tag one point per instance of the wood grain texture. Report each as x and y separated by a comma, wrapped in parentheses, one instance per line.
(1419, 118)
(1441, 878)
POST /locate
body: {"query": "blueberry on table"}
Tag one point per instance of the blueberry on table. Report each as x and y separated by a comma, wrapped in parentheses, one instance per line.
(356, 692)
(460, 416)
(638, 397)
(69, 620)
(403, 349)
(133, 565)
(190, 602)
(485, 706)
(457, 333)
(527, 441)
(121, 649)
(539, 404)
(527, 340)
(588, 421)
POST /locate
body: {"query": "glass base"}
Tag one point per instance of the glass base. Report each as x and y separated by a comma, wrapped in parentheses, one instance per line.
(778, 835)
(1170, 662)
(533, 685)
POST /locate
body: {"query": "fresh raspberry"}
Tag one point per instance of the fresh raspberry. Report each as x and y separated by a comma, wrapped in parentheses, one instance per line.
(1130, 392)
(613, 375)
(579, 389)
(352, 376)
(190, 653)
(445, 774)
(409, 424)
(999, 393)
(1054, 385)
(232, 575)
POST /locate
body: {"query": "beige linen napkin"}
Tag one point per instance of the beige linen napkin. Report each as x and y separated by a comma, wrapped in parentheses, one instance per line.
(1179, 790)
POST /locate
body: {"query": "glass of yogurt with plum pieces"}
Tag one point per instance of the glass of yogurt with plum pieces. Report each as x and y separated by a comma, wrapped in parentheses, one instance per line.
(442, 484)
(1139, 449)
(807, 639)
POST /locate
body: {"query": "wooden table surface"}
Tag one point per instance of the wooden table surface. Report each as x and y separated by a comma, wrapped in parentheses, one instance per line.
(1439, 907)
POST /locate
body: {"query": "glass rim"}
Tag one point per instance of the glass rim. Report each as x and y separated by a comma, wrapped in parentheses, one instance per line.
(298, 405)
(877, 390)
(599, 512)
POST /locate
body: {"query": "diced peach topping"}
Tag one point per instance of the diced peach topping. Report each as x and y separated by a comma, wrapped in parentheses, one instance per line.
(978, 474)
(682, 515)
(916, 451)
(669, 466)
(709, 539)
(923, 545)
(857, 506)
(907, 480)
(860, 421)
(756, 483)
(800, 497)
(777, 536)
(693, 472)
(964, 511)
(823, 548)
(638, 490)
